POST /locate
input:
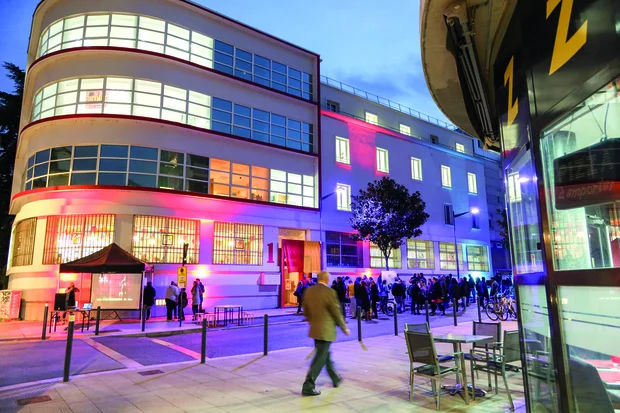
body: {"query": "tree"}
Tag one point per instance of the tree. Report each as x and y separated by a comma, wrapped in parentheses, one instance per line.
(10, 110)
(386, 214)
(503, 224)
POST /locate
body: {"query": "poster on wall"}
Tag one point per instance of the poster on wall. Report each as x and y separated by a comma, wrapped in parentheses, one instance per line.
(116, 291)
(10, 301)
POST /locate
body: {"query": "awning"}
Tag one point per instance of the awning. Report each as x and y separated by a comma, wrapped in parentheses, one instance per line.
(111, 259)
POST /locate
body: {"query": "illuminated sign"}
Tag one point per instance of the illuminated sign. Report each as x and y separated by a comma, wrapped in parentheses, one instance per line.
(94, 96)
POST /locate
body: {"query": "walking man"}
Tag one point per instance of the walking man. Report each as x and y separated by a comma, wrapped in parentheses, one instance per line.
(322, 311)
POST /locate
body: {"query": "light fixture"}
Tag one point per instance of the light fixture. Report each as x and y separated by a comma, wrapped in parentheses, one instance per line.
(474, 210)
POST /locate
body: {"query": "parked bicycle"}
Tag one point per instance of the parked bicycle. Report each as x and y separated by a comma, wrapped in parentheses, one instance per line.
(502, 308)
(386, 306)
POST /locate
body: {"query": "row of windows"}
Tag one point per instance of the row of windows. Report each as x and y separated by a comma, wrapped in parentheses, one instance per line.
(373, 119)
(137, 97)
(158, 168)
(342, 251)
(235, 61)
(155, 35)
(157, 239)
(383, 165)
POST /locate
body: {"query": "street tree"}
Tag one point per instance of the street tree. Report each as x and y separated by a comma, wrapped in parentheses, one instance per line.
(10, 109)
(503, 226)
(386, 214)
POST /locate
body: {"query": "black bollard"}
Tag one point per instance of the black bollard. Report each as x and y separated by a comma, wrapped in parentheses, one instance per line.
(479, 313)
(395, 323)
(47, 306)
(428, 319)
(203, 343)
(179, 313)
(359, 323)
(65, 376)
(265, 334)
(454, 305)
(143, 318)
(97, 320)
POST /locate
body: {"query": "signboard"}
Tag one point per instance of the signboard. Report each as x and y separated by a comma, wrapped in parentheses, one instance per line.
(182, 276)
(272, 279)
(10, 301)
(589, 176)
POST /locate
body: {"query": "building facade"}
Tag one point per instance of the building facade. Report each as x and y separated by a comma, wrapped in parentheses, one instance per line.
(160, 125)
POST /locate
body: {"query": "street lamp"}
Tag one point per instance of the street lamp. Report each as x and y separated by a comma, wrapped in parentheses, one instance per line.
(339, 190)
(473, 211)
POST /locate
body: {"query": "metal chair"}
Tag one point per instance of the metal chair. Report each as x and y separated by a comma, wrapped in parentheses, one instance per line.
(488, 329)
(493, 360)
(421, 348)
(424, 328)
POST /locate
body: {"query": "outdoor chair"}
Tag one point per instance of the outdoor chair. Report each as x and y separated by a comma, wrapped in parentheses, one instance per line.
(494, 359)
(424, 328)
(422, 352)
(488, 329)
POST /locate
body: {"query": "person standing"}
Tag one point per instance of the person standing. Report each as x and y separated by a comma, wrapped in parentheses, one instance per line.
(464, 290)
(172, 295)
(374, 298)
(398, 291)
(148, 298)
(323, 313)
(196, 299)
(299, 293)
(202, 293)
(353, 301)
(183, 303)
(342, 295)
(472, 288)
(69, 299)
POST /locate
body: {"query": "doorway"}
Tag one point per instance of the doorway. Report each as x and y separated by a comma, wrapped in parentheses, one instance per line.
(297, 257)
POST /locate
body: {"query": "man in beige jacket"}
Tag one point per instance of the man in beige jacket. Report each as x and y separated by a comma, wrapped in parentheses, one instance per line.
(323, 312)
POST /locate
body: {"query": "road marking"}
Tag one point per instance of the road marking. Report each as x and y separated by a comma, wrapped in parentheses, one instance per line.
(246, 364)
(178, 348)
(114, 355)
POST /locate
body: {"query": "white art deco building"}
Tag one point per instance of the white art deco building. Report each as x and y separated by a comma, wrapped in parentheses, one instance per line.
(159, 123)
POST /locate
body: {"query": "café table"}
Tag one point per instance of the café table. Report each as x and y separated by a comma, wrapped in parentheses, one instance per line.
(228, 312)
(457, 340)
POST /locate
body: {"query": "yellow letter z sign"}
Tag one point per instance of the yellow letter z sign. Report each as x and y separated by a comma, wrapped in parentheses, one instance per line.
(564, 48)
(513, 108)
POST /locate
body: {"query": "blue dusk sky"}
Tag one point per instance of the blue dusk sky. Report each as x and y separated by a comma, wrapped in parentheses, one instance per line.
(370, 44)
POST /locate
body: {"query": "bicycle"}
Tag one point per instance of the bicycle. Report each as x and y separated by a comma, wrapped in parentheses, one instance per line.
(508, 307)
(386, 306)
(501, 308)
(493, 309)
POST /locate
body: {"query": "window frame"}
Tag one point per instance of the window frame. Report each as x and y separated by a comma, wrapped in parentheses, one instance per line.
(404, 129)
(446, 177)
(331, 244)
(472, 184)
(168, 230)
(343, 197)
(478, 260)
(394, 261)
(343, 143)
(371, 118)
(413, 260)
(22, 246)
(459, 147)
(228, 243)
(443, 254)
(448, 214)
(416, 173)
(383, 160)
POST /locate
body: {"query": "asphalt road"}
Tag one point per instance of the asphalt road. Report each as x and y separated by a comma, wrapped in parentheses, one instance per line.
(31, 361)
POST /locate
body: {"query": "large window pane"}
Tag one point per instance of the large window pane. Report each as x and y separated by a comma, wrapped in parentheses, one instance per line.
(377, 260)
(579, 154)
(237, 244)
(160, 239)
(23, 242)
(342, 251)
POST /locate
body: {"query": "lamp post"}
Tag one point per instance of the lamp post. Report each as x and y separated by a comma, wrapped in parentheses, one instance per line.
(338, 190)
(473, 211)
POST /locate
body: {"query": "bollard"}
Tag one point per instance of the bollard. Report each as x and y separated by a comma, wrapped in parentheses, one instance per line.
(479, 313)
(179, 313)
(265, 334)
(45, 320)
(97, 320)
(454, 305)
(359, 323)
(203, 342)
(143, 318)
(428, 319)
(65, 376)
(395, 323)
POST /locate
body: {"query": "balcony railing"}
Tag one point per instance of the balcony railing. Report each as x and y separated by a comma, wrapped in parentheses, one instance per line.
(477, 152)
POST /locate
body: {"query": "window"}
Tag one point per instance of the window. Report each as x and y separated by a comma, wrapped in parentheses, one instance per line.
(477, 258)
(434, 139)
(460, 148)
(237, 244)
(420, 254)
(160, 239)
(475, 223)
(343, 194)
(154, 168)
(447, 256)
(155, 35)
(377, 260)
(472, 186)
(446, 178)
(144, 98)
(405, 130)
(448, 214)
(372, 118)
(382, 160)
(333, 106)
(416, 169)
(23, 242)
(70, 237)
(342, 150)
(342, 251)
(514, 187)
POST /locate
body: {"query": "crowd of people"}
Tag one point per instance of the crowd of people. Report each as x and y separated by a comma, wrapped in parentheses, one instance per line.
(441, 292)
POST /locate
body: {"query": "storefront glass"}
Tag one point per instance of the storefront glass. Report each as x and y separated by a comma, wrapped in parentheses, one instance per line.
(591, 333)
(580, 154)
(536, 336)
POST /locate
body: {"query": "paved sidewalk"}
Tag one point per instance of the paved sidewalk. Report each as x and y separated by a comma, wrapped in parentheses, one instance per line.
(376, 380)
(32, 330)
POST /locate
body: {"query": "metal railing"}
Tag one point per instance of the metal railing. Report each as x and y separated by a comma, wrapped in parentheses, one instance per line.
(476, 151)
